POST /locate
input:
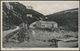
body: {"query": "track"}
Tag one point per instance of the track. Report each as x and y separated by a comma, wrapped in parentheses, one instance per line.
(15, 34)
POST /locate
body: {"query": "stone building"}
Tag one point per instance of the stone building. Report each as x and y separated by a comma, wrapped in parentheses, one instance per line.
(44, 24)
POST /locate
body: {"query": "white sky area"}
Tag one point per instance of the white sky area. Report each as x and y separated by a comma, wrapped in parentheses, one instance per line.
(49, 7)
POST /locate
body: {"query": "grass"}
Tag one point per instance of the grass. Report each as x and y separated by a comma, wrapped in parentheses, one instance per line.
(42, 39)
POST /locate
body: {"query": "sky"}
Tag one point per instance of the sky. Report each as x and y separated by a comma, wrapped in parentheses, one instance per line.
(50, 7)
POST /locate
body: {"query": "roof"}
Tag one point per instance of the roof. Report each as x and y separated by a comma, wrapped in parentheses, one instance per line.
(48, 22)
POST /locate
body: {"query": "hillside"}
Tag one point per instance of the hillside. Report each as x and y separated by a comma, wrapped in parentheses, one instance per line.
(67, 19)
(15, 13)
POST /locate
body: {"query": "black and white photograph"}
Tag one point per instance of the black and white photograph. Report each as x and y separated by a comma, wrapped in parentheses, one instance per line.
(40, 24)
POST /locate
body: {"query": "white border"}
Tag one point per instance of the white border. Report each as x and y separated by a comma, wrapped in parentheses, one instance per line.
(29, 48)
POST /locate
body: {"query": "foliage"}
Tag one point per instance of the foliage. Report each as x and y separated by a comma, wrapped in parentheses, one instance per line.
(68, 19)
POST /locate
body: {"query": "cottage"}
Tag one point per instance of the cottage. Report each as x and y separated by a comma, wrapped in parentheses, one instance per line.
(44, 24)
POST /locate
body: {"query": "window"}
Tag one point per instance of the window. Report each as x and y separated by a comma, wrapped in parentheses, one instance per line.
(43, 26)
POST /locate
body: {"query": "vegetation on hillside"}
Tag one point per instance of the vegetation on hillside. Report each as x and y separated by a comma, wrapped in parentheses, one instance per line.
(15, 13)
(67, 19)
